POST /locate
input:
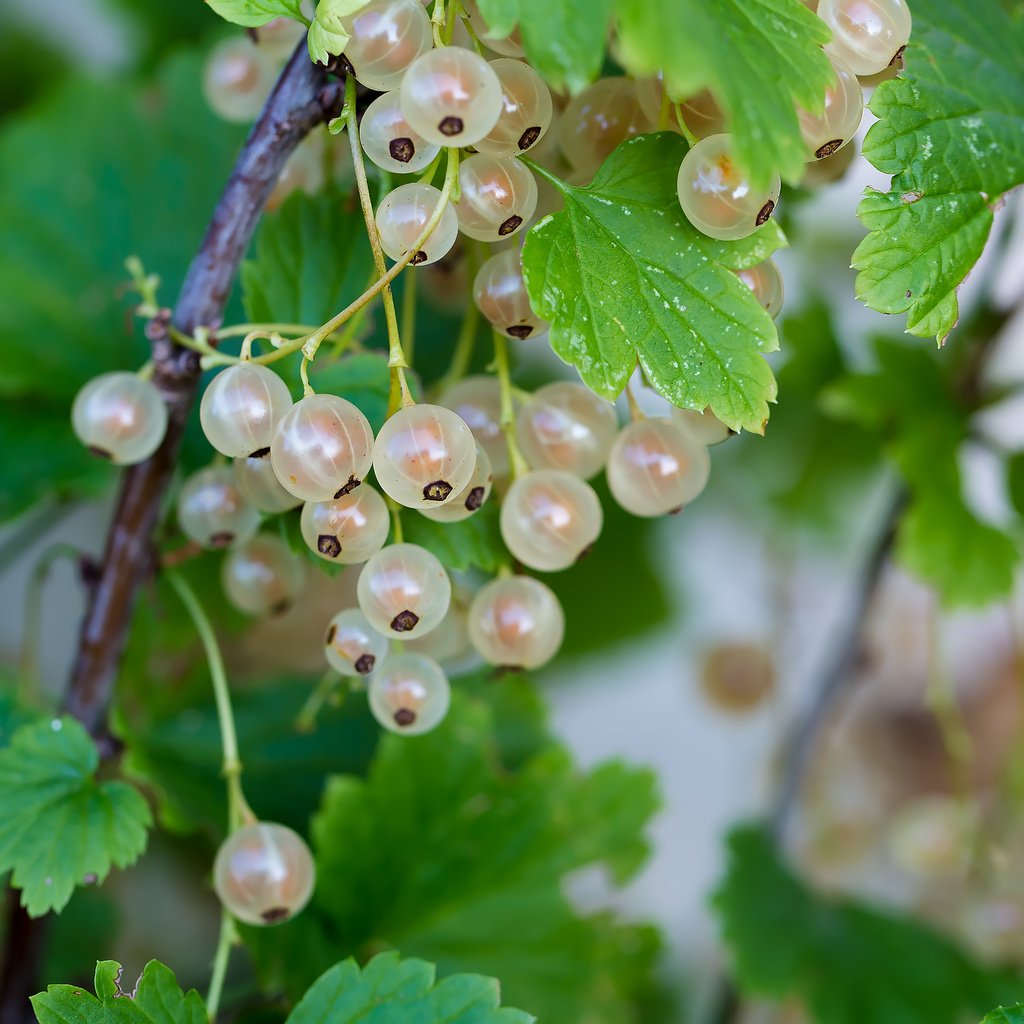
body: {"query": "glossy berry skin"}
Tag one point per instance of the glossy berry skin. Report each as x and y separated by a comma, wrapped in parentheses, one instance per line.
(655, 467)
(410, 694)
(471, 498)
(352, 646)
(390, 142)
(500, 294)
(449, 643)
(516, 622)
(716, 195)
(549, 519)
(601, 117)
(704, 427)
(868, 34)
(264, 873)
(477, 400)
(451, 96)
(566, 426)
(259, 484)
(498, 195)
(404, 591)
(241, 407)
(829, 131)
(322, 448)
(237, 79)
(765, 281)
(347, 530)
(120, 417)
(526, 110)
(424, 456)
(263, 577)
(213, 512)
(387, 36)
(402, 217)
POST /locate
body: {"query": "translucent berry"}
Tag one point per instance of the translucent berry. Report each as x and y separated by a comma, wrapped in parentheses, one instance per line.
(349, 529)
(258, 482)
(550, 519)
(477, 400)
(451, 96)
(264, 873)
(424, 456)
(241, 407)
(471, 498)
(120, 417)
(264, 576)
(526, 110)
(868, 34)
(410, 694)
(388, 140)
(656, 467)
(322, 448)
(387, 36)
(237, 79)
(601, 117)
(566, 426)
(765, 281)
(404, 591)
(497, 197)
(352, 646)
(716, 195)
(403, 216)
(500, 294)
(279, 37)
(829, 131)
(705, 427)
(212, 510)
(828, 169)
(449, 643)
(516, 622)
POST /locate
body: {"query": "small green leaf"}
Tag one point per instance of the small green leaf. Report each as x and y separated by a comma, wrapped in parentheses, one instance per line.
(1006, 1015)
(1015, 481)
(253, 13)
(951, 132)
(473, 543)
(328, 34)
(622, 275)
(59, 826)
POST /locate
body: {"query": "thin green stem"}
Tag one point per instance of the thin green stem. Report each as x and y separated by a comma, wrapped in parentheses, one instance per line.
(305, 720)
(33, 609)
(466, 341)
(508, 410)
(228, 937)
(691, 139)
(238, 330)
(396, 521)
(409, 315)
(437, 20)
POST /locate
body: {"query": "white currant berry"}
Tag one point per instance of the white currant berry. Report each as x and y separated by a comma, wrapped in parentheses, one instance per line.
(404, 591)
(120, 417)
(526, 110)
(507, 46)
(263, 576)
(258, 482)
(424, 456)
(500, 294)
(497, 197)
(601, 117)
(656, 467)
(322, 448)
(471, 498)
(868, 34)
(550, 519)
(451, 96)
(402, 218)
(386, 37)
(237, 79)
(566, 426)
(349, 529)
(828, 169)
(717, 196)
(352, 646)
(765, 281)
(477, 400)
(836, 125)
(449, 642)
(705, 427)
(516, 622)
(212, 510)
(390, 142)
(241, 407)
(264, 873)
(410, 694)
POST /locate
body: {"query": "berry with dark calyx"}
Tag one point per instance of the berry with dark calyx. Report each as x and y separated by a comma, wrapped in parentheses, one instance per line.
(516, 622)
(500, 294)
(352, 646)
(347, 530)
(867, 34)
(263, 576)
(836, 125)
(241, 408)
(120, 417)
(213, 512)
(257, 481)
(404, 591)
(498, 195)
(526, 110)
(410, 694)
(402, 218)
(390, 142)
(471, 498)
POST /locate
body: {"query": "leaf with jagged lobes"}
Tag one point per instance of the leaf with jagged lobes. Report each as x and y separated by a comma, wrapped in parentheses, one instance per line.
(253, 13)
(328, 34)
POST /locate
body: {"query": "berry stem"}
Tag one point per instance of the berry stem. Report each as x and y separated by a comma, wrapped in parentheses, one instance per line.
(305, 720)
(228, 937)
(635, 412)
(396, 521)
(466, 341)
(691, 139)
(508, 413)
(437, 22)
(409, 314)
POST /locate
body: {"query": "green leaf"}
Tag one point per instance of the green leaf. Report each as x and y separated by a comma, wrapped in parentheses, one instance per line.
(398, 991)
(444, 854)
(760, 58)
(48, 779)
(1006, 1015)
(847, 962)
(951, 132)
(156, 998)
(253, 13)
(622, 275)
(1015, 481)
(363, 378)
(473, 543)
(328, 33)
